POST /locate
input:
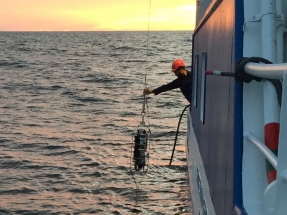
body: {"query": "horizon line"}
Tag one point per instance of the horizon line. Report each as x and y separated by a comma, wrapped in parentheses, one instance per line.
(88, 30)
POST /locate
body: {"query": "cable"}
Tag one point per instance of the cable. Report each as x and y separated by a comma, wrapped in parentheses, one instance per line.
(147, 41)
(145, 112)
(147, 48)
(177, 133)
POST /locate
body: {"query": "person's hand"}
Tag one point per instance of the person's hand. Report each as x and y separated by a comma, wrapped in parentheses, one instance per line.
(147, 91)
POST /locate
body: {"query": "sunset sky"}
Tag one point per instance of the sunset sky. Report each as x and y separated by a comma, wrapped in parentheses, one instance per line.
(96, 15)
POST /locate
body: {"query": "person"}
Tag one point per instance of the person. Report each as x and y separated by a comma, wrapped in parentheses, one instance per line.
(183, 81)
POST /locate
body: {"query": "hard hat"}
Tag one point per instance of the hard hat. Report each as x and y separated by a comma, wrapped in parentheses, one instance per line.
(176, 64)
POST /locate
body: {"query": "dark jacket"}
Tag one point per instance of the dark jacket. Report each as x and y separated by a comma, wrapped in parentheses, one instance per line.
(184, 83)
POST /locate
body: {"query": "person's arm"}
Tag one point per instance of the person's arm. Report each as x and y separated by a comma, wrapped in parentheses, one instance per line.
(166, 87)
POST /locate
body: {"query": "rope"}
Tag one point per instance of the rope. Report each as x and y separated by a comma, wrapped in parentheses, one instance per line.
(144, 113)
(145, 102)
(147, 41)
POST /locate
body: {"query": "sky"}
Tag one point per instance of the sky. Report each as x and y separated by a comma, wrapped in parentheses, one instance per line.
(96, 15)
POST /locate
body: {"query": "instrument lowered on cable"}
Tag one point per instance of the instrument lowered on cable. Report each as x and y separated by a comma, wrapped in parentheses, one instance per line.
(140, 144)
(141, 141)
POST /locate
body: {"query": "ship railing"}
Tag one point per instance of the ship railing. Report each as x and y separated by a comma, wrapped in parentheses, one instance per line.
(275, 195)
(269, 155)
(271, 71)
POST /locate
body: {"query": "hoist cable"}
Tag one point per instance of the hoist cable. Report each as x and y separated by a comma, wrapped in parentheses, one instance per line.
(145, 102)
(147, 41)
(144, 113)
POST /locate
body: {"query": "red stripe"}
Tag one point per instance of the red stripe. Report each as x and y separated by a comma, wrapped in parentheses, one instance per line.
(271, 131)
(209, 72)
(271, 175)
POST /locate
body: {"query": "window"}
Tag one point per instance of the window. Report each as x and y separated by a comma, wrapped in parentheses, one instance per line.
(194, 84)
(203, 82)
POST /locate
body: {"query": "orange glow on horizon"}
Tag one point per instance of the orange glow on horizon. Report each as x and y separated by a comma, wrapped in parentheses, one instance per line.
(96, 15)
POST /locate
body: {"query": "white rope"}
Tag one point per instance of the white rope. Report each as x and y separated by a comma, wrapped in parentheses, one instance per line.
(145, 112)
(147, 48)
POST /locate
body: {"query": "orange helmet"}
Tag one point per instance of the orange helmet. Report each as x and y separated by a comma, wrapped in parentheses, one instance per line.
(176, 64)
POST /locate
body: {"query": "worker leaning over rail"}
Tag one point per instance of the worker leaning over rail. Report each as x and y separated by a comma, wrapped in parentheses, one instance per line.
(183, 81)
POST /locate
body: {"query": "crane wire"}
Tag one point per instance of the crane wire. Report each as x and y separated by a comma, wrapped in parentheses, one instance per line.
(147, 49)
(147, 41)
(144, 109)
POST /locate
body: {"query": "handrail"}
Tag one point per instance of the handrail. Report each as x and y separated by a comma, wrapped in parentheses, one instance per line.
(271, 71)
(269, 155)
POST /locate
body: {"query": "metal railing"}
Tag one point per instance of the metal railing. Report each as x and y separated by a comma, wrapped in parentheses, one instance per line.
(269, 155)
(272, 71)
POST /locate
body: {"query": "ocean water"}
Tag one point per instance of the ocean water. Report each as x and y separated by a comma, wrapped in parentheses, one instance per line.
(70, 102)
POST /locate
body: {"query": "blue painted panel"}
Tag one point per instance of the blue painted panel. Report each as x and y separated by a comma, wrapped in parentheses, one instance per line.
(215, 136)
(238, 113)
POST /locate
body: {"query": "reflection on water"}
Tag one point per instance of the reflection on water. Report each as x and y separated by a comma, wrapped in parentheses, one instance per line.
(67, 121)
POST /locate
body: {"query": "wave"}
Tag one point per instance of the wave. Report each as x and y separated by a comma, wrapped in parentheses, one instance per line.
(22, 190)
(13, 64)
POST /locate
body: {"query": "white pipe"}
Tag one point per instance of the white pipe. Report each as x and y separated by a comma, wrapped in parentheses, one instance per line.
(269, 52)
(281, 194)
(280, 41)
(272, 71)
(271, 109)
(279, 6)
(269, 155)
(269, 35)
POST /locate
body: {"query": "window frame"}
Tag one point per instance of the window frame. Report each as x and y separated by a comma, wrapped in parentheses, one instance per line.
(203, 86)
(195, 80)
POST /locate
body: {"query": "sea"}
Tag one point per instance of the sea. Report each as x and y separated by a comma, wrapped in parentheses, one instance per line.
(70, 103)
